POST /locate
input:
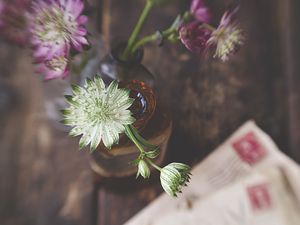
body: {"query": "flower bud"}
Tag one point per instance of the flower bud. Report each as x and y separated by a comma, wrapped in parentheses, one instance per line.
(194, 36)
(173, 177)
(200, 11)
(143, 169)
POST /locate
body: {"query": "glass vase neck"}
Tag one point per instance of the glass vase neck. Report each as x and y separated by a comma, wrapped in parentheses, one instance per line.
(133, 60)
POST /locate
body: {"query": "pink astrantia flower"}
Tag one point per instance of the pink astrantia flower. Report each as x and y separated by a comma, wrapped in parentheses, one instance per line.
(194, 36)
(200, 11)
(56, 27)
(14, 20)
(54, 67)
(228, 37)
(57, 24)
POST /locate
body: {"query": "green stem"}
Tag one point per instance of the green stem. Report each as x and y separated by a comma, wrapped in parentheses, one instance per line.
(153, 164)
(151, 38)
(131, 136)
(154, 37)
(137, 29)
(143, 41)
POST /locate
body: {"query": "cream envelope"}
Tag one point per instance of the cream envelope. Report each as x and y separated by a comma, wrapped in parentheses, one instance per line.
(248, 151)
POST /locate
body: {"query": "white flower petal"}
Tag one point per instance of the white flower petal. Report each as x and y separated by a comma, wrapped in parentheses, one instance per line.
(97, 136)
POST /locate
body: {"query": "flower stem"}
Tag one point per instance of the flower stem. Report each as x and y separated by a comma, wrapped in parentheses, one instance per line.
(131, 132)
(153, 164)
(152, 38)
(131, 136)
(142, 42)
(137, 29)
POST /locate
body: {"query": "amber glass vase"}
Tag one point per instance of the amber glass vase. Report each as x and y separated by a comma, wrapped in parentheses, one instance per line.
(152, 121)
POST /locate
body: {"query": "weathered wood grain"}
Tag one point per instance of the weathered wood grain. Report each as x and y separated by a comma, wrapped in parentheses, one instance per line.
(44, 178)
(210, 99)
(291, 34)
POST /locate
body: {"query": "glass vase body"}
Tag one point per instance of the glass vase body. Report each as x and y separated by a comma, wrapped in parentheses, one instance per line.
(152, 121)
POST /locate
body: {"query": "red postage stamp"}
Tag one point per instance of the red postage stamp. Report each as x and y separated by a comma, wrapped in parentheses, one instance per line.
(249, 148)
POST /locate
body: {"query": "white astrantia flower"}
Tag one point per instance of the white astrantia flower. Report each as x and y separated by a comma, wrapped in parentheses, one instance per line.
(98, 113)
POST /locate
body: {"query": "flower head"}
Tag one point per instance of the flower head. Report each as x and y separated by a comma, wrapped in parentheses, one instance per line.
(228, 37)
(14, 20)
(200, 11)
(173, 177)
(98, 113)
(194, 36)
(57, 23)
(55, 67)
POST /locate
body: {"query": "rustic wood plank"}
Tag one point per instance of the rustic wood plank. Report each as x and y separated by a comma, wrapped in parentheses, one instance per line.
(44, 178)
(209, 99)
(117, 205)
(291, 34)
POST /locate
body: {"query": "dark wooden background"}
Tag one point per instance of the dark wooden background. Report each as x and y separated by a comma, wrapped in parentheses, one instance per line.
(44, 179)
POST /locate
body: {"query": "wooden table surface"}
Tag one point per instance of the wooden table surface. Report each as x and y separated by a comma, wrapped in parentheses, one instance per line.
(44, 179)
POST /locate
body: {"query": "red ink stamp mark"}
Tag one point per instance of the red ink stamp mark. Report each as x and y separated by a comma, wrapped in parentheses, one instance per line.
(259, 196)
(249, 149)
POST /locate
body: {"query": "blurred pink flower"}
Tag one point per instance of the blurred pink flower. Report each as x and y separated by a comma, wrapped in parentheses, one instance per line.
(200, 11)
(194, 36)
(55, 66)
(14, 20)
(56, 27)
(57, 24)
(228, 37)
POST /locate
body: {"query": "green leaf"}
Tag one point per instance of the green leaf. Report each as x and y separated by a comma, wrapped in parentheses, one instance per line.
(153, 154)
(141, 140)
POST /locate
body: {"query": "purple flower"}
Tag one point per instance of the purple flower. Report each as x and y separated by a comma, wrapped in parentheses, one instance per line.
(57, 24)
(228, 37)
(194, 36)
(200, 11)
(55, 67)
(14, 20)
